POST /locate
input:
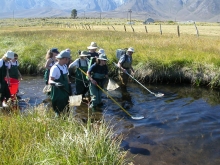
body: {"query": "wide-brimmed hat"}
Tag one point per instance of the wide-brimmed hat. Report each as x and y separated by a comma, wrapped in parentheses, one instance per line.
(84, 53)
(102, 57)
(130, 49)
(93, 45)
(9, 54)
(55, 50)
(101, 51)
(63, 54)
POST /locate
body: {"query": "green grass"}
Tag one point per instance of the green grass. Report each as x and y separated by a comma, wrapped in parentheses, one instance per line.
(39, 138)
(155, 52)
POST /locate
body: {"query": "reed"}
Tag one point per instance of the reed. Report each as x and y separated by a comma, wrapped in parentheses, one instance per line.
(36, 137)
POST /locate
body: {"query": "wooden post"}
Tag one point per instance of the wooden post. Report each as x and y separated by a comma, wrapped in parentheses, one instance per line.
(125, 28)
(113, 28)
(161, 30)
(132, 28)
(89, 27)
(146, 29)
(178, 30)
(197, 32)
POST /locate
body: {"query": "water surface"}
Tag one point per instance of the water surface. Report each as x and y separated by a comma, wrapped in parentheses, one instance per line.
(183, 127)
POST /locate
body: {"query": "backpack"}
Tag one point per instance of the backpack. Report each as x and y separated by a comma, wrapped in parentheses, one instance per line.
(120, 52)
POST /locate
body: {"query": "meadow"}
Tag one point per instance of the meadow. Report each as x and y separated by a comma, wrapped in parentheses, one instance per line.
(161, 55)
(38, 138)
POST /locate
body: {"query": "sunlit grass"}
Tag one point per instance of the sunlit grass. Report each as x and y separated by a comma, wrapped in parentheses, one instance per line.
(164, 52)
(39, 138)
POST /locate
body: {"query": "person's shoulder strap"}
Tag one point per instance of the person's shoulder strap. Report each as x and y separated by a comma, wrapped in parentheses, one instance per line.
(79, 62)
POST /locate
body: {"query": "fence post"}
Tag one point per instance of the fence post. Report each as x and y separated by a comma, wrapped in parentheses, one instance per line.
(161, 30)
(89, 27)
(132, 28)
(125, 28)
(113, 28)
(146, 29)
(178, 30)
(197, 32)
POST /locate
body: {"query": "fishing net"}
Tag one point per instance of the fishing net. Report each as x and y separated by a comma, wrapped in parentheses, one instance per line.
(112, 89)
(112, 85)
(75, 100)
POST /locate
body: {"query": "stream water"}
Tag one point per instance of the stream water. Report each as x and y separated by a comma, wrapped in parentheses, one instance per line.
(182, 127)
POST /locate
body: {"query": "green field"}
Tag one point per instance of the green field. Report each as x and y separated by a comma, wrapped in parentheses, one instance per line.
(160, 54)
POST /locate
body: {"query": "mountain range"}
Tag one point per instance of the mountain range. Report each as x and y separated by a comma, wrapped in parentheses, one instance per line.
(179, 10)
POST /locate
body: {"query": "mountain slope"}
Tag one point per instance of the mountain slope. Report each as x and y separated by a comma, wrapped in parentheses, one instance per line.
(198, 10)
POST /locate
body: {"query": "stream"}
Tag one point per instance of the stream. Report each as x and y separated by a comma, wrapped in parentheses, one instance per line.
(182, 127)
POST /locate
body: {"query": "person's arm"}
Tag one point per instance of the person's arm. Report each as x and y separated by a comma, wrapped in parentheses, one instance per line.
(120, 63)
(47, 65)
(90, 78)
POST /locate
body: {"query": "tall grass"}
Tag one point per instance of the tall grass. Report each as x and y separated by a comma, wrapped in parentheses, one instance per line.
(39, 138)
(157, 57)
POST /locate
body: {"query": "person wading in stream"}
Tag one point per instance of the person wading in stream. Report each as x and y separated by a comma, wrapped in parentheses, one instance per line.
(59, 74)
(81, 82)
(97, 74)
(125, 66)
(13, 70)
(4, 64)
(92, 53)
(50, 61)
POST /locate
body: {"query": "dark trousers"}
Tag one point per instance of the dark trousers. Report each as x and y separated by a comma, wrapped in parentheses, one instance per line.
(5, 91)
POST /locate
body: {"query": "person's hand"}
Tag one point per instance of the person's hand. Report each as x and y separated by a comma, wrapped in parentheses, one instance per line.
(94, 82)
(125, 71)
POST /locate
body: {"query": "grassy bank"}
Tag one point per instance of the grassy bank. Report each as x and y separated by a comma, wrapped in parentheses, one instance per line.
(39, 138)
(158, 58)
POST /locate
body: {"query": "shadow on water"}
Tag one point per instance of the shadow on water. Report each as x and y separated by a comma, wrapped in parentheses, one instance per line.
(183, 127)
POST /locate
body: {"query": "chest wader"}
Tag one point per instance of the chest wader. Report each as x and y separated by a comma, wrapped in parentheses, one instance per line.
(5, 93)
(59, 96)
(81, 80)
(47, 73)
(13, 71)
(95, 91)
(123, 77)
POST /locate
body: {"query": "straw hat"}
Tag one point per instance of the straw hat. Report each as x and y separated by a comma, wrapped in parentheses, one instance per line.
(84, 53)
(9, 54)
(130, 49)
(102, 57)
(63, 54)
(101, 51)
(93, 45)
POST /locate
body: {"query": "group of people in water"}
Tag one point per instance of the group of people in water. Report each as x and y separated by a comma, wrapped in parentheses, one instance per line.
(8, 69)
(89, 71)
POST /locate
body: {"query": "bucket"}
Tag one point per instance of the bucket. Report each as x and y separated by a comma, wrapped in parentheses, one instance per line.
(14, 84)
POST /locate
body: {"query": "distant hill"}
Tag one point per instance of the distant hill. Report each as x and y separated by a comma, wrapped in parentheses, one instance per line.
(179, 10)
